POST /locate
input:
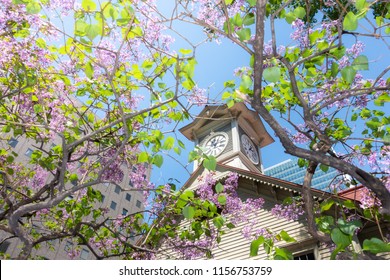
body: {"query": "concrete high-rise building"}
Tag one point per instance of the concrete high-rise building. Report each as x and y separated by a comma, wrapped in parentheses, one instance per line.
(289, 170)
(116, 201)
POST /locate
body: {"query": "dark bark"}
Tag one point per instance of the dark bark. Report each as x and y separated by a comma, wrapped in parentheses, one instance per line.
(309, 204)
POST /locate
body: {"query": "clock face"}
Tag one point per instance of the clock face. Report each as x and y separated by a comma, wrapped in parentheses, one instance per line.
(250, 149)
(215, 145)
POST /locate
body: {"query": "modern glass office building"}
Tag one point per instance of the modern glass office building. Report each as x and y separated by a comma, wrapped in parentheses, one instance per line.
(290, 171)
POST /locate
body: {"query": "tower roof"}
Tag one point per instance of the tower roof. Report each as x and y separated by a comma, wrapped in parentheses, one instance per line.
(239, 111)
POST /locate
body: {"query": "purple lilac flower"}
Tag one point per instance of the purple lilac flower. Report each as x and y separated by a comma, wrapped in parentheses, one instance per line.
(198, 96)
(290, 212)
(368, 199)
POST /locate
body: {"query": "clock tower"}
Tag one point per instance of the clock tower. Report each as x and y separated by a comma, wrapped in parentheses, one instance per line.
(233, 135)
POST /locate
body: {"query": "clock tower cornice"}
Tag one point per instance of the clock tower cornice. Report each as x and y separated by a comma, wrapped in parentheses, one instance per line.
(234, 136)
(247, 119)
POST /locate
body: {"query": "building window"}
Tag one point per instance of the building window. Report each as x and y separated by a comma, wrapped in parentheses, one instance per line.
(103, 197)
(4, 246)
(68, 246)
(124, 212)
(128, 197)
(304, 257)
(13, 142)
(84, 254)
(28, 152)
(117, 189)
(138, 204)
(113, 205)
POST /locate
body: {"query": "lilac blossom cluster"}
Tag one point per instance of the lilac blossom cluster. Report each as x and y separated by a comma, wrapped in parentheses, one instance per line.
(301, 33)
(211, 12)
(112, 168)
(368, 199)
(64, 6)
(190, 250)
(290, 212)
(241, 71)
(39, 178)
(351, 53)
(235, 209)
(20, 50)
(250, 232)
(198, 96)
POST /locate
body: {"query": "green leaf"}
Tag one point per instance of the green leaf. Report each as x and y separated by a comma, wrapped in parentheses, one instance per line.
(350, 227)
(228, 2)
(300, 12)
(143, 157)
(210, 163)
(286, 237)
(326, 205)
(382, 99)
(229, 84)
(360, 63)
(193, 155)
(89, 70)
(252, 3)
(10, 159)
(272, 74)
(92, 31)
(374, 124)
(246, 81)
(181, 144)
(301, 162)
(349, 204)
(237, 20)
(184, 197)
(290, 17)
(375, 246)
(109, 10)
(168, 144)
(230, 103)
(334, 69)
(185, 51)
(230, 226)
(219, 188)
(249, 19)
(283, 254)
(254, 248)
(73, 177)
(360, 4)
(348, 73)
(244, 34)
(350, 22)
(189, 212)
(33, 7)
(324, 223)
(158, 160)
(324, 167)
(177, 150)
(88, 5)
(222, 199)
(80, 27)
(218, 221)
(340, 239)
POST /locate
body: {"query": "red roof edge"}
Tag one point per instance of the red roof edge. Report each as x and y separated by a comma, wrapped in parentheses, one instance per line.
(354, 193)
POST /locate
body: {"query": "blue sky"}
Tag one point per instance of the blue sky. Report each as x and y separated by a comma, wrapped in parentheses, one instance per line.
(216, 63)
